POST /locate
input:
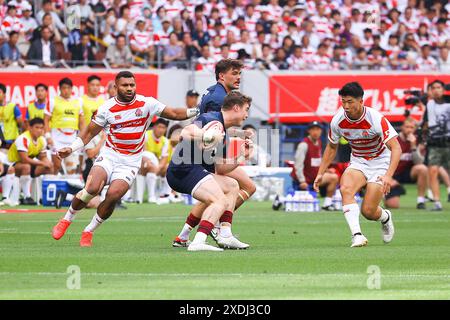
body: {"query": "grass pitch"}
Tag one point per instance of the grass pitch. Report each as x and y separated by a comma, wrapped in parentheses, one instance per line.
(292, 256)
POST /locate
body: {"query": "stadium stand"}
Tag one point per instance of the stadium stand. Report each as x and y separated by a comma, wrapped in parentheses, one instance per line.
(274, 35)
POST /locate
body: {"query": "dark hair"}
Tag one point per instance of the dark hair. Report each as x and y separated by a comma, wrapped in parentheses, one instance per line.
(121, 36)
(437, 81)
(93, 77)
(174, 128)
(48, 14)
(10, 8)
(248, 126)
(352, 89)
(41, 85)
(161, 121)
(233, 98)
(122, 9)
(64, 81)
(2, 87)
(227, 64)
(35, 121)
(124, 74)
(13, 33)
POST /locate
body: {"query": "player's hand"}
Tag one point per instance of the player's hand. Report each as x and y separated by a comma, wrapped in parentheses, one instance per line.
(248, 134)
(50, 141)
(317, 182)
(303, 186)
(387, 182)
(64, 152)
(47, 164)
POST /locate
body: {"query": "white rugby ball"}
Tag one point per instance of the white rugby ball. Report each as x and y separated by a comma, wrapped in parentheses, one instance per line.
(212, 134)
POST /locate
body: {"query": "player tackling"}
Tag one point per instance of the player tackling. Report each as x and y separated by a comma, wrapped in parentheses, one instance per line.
(125, 119)
(374, 159)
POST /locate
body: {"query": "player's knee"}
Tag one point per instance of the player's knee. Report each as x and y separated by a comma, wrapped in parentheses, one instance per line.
(334, 178)
(368, 209)
(26, 168)
(422, 170)
(85, 196)
(233, 186)
(346, 190)
(433, 170)
(249, 188)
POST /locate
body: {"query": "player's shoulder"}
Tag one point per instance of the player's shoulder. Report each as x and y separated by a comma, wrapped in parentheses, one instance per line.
(107, 104)
(338, 117)
(373, 115)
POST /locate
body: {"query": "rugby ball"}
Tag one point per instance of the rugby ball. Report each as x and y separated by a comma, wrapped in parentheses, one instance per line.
(212, 134)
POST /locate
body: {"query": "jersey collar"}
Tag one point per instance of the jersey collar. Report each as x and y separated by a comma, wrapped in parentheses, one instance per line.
(125, 103)
(357, 120)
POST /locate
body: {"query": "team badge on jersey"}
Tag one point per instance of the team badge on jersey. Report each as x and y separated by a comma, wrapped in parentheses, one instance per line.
(117, 117)
(139, 113)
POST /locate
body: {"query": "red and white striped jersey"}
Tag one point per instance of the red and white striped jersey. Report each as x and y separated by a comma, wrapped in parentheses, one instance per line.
(141, 39)
(367, 136)
(321, 63)
(125, 124)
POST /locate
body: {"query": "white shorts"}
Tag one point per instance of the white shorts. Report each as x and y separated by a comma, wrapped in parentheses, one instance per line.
(151, 156)
(118, 166)
(372, 169)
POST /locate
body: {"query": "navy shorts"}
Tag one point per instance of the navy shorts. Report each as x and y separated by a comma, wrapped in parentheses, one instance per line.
(186, 178)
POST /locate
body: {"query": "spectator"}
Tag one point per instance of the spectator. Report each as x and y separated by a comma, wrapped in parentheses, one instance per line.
(296, 60)
(74, 37)
(158, 19)
(377, 59)
(361, 62)
(314, 39)
(119, 55)
(20, 5)
(442, 32)
(190, 48)
(338, 61)
(320, 61)
(82, 53)
(28, 22)
(199, 35)
(141, 42)
(178, 28)
(47, 22)
(426, 62)
(108, 26)
(10, 53)
(85, 11)
(444, 60)
(124, 24)
(280, 59)
(47, 7)
(288, 45)
(11, 22)
(206, 62)
(173, 52)
(163, 35)
(42, 51)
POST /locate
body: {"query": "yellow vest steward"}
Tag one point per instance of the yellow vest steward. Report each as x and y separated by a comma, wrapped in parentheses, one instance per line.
(33, 149)
(170, 152)
(65, 114)
(10, 127)
(90, 106)
(153, 146)
(34, 112)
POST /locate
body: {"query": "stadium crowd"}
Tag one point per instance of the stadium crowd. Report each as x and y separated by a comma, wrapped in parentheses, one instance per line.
(273, 34)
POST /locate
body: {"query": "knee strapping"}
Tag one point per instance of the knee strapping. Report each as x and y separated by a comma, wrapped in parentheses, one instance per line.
(244, 197)
(85, 196)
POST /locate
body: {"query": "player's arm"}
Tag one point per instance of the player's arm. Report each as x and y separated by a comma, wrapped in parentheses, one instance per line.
(24, 158)
(328, 157)
(83, 139)
(18, 116)
(396, 152)
(179, 113)
(300, 156)
(192, 132)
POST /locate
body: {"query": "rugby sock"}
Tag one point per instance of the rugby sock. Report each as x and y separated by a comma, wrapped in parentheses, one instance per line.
(327, 202)
(420, 199)
(204, 229)
(351, 213)
(7, 183)
(25, 183)
(191, 222)
(384, 216)
(150, 178)
(95, 223)
(448, 190)
(165, 189)
(69, 197)
(225, 224)
(437, 205)
(430, 194)
(70, 214)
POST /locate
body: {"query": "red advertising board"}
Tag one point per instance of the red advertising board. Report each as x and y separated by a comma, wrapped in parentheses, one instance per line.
(20, 85)
(304, 98)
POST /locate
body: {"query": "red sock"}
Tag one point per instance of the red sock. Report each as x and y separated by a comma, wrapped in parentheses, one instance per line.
(205, 226)
(192, 220)
(227, 216)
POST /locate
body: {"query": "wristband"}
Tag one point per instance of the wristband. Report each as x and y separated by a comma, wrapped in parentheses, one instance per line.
(48, 135)
(192, 112)
(77, 144)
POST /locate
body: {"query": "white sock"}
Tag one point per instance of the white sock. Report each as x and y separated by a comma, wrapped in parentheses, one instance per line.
(351, 213)
(384, 216)
(25, 183)
(184, 234)
(430, 194)
(327, 202)
(200, 237)
(448, 190)
(95, 223)
(165, 189)
(7, 183)
(225, 231)
(420, 199)
(70, 214)
(69, 197)
(150, 178)
(437, 204)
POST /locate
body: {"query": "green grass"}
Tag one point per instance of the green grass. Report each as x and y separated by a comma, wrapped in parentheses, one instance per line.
(292, 256)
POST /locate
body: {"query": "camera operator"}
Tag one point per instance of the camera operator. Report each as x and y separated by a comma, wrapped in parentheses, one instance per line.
(436, 123)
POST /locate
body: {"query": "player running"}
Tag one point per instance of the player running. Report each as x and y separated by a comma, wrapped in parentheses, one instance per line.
(125, 118)
(374, 159)
(228, 75)
(203, 173)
